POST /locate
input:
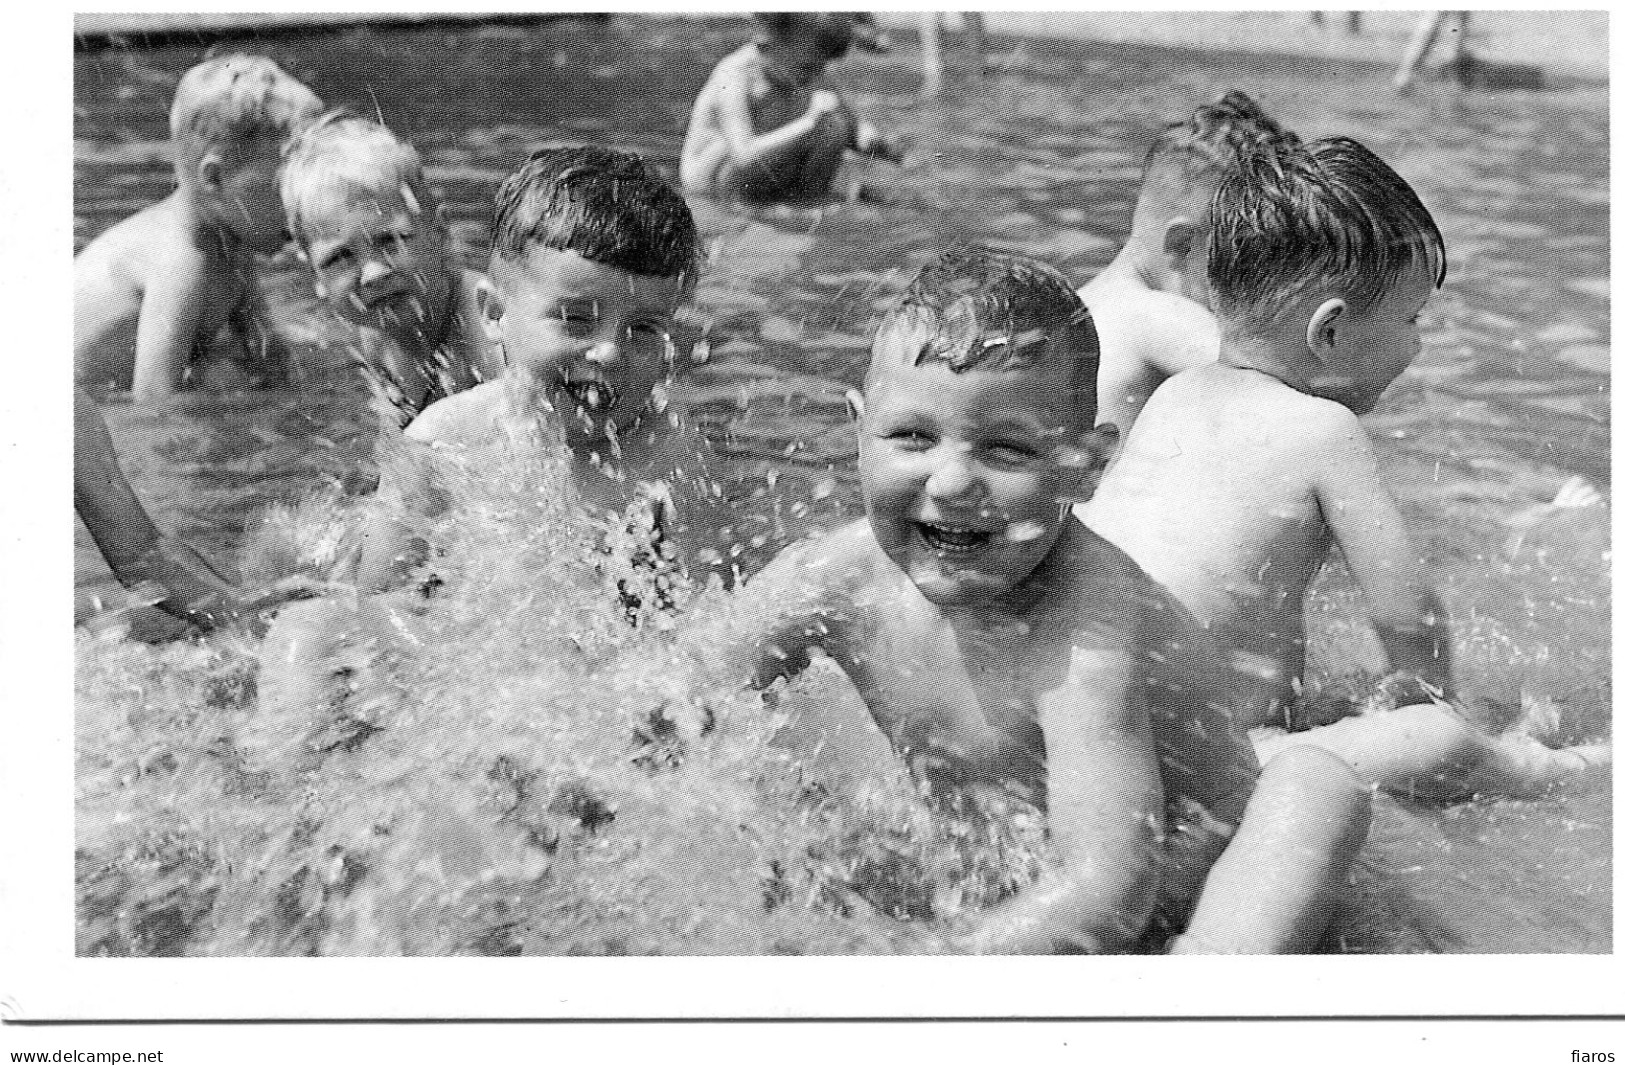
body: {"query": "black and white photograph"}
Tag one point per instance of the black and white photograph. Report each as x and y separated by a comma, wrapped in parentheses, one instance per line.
(776, 490)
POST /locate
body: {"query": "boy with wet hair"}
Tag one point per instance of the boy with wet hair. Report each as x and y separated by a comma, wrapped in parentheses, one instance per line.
(154, 293)
(1240, 475)
(1149, 302)
(375, 238)
(768, 125)
(1002, 647)
(592, 255)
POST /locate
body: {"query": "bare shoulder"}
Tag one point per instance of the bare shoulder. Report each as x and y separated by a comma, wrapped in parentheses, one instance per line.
(1104, 590)
(462, 419)
(149, 243)
(832, 570)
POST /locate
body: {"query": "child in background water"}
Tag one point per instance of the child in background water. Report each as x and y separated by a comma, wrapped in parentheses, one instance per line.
(1002, 647)
(592, 255)
(376, 241)
(1241, 475)
(1149, 302)
(153, 293)
(768, 125)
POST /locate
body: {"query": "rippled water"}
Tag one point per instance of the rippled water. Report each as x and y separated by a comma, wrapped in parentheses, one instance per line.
(1509, 398)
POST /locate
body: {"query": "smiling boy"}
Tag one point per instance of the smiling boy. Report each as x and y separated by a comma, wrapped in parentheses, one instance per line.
(592, 255)
(997, 641)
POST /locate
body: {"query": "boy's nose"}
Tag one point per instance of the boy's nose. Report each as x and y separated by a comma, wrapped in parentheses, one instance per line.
(954, 479)
(374, 269)
(605, 352)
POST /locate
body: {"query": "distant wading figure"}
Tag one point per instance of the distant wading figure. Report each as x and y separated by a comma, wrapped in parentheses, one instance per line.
(768, 125)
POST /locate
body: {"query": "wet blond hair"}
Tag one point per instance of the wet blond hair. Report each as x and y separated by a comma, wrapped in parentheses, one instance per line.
(234, 104)
(341, 158)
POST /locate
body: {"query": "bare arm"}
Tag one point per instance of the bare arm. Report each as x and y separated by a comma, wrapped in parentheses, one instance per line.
(1105, 817)
(167, 332)
(409, 494)
(134, 548)
(1369, 530)
(747, 147)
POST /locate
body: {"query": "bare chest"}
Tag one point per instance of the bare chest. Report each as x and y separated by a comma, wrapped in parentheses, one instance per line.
(956, 707)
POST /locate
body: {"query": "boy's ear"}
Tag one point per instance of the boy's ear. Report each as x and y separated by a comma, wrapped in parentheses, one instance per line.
(1178, 240)
(854, 404)
(491, 308)
(209, 171)
(1321, 335)
(1094, 452)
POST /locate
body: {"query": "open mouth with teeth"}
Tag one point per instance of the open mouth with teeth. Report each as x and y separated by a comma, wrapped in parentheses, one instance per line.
(951, 540)
(593, 397)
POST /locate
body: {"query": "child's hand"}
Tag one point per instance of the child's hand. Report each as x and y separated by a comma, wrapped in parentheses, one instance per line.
(823, 102)
(868, 141)
(254, 604)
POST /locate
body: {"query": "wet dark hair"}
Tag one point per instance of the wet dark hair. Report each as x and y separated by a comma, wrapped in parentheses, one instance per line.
(1213, 138)
(985, 310)
(1327, 214)
(831, 33)
(605, 205)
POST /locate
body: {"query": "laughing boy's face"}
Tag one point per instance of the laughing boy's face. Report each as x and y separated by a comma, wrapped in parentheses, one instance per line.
(968, 476)
(596, 337)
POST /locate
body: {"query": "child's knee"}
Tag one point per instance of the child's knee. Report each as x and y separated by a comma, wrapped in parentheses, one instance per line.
(1316, 786)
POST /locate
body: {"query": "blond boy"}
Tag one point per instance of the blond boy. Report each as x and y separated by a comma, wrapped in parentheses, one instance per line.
(154, 293)
(375, 238)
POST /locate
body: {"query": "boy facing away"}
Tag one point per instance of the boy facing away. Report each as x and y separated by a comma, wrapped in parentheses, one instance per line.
(154, 293)
(1149, 302)
(998, 642)
(592, 255)
(1241, 475)
(375, 238)
(768, 125)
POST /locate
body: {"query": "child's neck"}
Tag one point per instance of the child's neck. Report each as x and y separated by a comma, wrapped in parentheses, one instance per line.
(1264, 355)
(208, 233)
(1144, 262)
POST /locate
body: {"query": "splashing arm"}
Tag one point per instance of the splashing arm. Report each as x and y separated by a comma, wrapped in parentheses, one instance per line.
(1364, 520)
(409, 495)
(1105, 819)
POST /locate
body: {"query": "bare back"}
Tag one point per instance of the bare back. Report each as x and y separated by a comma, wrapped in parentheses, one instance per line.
(146, 283)
(1146, 336)
(1219, 495)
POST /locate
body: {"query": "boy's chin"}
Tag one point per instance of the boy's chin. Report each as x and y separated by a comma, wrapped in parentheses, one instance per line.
(963, 588)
